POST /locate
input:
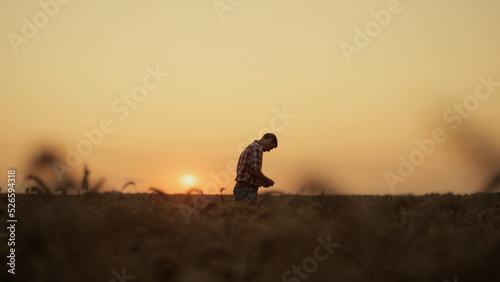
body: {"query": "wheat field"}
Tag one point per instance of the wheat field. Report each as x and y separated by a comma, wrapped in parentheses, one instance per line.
(193, 237)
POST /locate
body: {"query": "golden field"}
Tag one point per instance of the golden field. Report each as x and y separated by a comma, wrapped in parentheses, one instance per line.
(193, 237)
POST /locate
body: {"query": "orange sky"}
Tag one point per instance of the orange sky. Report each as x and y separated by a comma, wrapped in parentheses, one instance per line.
(202, 78)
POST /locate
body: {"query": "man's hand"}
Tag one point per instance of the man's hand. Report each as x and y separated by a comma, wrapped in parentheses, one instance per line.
(267, 182)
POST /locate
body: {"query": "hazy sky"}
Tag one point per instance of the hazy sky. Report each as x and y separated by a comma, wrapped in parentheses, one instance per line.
(347, 86)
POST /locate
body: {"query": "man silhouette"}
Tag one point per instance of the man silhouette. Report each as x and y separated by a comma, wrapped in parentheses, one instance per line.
(249, 176)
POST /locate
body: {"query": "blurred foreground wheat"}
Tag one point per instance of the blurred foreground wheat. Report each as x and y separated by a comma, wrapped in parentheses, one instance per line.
(403, 238)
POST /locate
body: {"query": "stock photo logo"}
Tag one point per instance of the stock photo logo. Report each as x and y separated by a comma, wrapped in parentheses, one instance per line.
(122, 107)
(363, 36)
(40, 19)
(121, 277)
(454, 117)
(223, 6)
(310, 264)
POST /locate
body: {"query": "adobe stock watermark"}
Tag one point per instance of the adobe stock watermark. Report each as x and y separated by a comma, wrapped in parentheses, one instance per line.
(454, 280)
(122, 107)
(223, 6)
(121, 277)
(310, 264)
(371, 29)
(454, 117)
(223, 178)
(30, 27)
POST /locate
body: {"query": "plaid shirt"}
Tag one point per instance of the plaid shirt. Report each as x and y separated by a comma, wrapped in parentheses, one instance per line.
(250, 159)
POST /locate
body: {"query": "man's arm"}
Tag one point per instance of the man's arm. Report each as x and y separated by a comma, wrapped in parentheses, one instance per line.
(266, 180)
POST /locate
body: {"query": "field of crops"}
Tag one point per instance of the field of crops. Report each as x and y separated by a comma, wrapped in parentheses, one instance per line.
(193, 237)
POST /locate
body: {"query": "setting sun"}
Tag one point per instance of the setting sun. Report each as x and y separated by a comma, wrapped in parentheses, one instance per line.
(188, 180)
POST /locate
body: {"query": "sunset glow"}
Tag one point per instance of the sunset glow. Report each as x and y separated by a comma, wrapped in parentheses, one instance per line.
(188, 180)
(146, 91)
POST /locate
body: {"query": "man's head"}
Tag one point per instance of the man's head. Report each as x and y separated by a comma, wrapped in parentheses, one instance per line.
(268, 142)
